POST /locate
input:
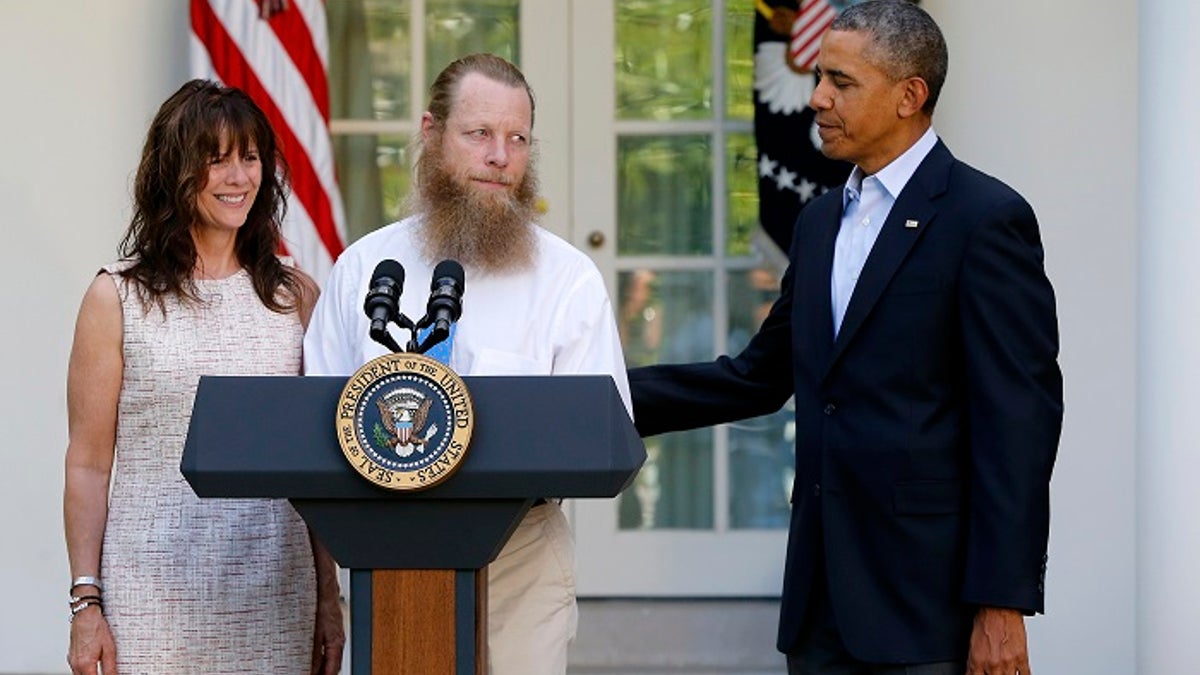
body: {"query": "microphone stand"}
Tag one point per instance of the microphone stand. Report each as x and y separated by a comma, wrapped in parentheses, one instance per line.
(381, 335)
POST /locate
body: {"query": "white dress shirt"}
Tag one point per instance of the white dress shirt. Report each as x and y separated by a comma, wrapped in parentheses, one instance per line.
(866, 203)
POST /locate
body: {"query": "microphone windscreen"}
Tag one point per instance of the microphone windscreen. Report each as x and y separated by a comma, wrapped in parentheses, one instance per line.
(451, 269)
(388, 269)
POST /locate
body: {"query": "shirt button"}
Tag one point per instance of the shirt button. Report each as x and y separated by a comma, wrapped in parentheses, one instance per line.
(830, 408)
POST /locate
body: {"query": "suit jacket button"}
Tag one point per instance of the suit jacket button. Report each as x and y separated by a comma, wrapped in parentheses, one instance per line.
(816, 489)
(830, 408)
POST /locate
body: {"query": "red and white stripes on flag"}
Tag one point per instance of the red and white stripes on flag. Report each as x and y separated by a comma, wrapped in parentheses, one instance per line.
(278, 53)
(811, 21)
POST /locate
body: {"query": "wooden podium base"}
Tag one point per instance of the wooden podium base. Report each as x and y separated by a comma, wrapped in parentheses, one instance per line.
(419, 622)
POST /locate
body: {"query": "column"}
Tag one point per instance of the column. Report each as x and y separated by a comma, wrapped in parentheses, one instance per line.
(1168, 486)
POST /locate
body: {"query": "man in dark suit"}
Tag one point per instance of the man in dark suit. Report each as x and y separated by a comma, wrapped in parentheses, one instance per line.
(920, 331)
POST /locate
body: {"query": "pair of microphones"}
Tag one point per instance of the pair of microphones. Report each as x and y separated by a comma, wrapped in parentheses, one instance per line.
(382, 305)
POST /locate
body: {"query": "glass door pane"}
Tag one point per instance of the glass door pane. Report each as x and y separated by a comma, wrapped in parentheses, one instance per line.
(666, 170)
(762, 455)
(454, 28)
(666, 316)
(663, 59)
(664, 195)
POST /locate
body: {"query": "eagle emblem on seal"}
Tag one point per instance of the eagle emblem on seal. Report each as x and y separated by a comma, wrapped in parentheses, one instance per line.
(404, 412)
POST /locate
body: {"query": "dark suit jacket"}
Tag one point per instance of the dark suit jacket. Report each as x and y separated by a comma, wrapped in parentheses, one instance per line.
(925, 433)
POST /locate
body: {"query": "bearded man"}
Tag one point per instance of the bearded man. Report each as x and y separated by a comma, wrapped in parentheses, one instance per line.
(535, 306)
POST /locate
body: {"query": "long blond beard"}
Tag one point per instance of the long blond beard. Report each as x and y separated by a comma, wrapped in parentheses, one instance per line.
(491, 232)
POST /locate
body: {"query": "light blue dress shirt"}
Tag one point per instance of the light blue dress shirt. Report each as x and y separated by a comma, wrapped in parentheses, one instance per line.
(866, 203)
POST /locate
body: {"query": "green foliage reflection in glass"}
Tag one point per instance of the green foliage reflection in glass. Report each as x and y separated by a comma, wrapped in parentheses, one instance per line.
(741, 179)
(369, 63)
(664, 59)
(739, 60)
(664, 195)
(455, 28)
(374, 176)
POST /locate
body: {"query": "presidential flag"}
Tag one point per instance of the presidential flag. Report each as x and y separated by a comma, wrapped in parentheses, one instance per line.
(277, 51)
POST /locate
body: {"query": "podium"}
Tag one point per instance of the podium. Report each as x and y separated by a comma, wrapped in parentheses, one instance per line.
(416, 559)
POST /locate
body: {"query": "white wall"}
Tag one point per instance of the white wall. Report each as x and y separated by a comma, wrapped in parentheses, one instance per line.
(1042, 95)
(81, 82)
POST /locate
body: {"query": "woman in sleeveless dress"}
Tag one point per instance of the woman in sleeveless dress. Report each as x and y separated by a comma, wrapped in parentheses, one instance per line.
(162, 581)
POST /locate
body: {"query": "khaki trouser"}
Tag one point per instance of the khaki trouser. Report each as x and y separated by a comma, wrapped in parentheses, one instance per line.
(532, 615)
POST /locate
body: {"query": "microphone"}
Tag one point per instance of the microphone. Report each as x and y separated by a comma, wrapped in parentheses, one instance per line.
(445, 301)
(383, 301)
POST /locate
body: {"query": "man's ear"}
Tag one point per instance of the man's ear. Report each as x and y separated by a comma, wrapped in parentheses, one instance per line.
(913, 94)
(428, 125)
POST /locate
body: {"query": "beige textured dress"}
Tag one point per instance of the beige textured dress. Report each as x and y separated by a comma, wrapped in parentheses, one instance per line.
(200, 586)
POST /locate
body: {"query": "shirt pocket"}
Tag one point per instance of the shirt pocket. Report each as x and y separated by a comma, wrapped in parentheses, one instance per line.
(496, 362)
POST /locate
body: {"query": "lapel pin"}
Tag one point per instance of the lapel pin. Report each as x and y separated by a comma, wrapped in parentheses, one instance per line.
(911, 224)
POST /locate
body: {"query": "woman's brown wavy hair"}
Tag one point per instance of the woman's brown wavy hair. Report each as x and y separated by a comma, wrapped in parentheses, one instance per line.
(184, 138)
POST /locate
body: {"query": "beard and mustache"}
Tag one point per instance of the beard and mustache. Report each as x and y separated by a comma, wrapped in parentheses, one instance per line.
(491, 231)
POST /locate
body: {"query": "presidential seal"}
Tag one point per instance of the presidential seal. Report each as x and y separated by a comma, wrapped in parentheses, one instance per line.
(404, 421)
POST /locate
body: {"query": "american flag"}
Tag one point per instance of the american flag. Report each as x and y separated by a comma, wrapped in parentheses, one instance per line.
(277, 51)
(811, 21)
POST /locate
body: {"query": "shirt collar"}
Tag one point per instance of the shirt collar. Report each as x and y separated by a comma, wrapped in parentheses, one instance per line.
(896, 174)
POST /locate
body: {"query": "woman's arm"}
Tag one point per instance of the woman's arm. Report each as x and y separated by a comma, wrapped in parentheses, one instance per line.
(94, 377)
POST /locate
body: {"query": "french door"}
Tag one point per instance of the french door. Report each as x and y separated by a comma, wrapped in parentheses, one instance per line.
(664, 177)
